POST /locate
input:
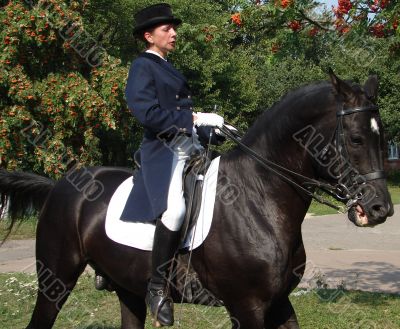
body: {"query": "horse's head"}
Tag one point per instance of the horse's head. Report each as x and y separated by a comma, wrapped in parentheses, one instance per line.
(356, 164)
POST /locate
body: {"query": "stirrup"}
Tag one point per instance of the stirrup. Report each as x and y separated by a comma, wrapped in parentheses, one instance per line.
(100, 282)
(156, 300)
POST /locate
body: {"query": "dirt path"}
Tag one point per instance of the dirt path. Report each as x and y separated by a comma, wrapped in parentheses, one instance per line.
(361, 258)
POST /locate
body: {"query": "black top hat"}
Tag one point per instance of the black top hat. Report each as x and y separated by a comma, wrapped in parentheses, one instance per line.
(160, 13)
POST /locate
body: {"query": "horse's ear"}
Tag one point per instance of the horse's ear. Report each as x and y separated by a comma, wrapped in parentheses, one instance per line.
(371, 87)
(341, 87)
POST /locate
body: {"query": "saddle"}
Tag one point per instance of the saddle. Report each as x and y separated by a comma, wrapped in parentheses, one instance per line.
(193, 175)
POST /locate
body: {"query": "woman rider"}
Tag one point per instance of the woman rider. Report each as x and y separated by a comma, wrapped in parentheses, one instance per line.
(159, 97)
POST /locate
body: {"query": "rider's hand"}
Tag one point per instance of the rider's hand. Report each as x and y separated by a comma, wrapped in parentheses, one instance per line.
(208, 119)
(229, 127)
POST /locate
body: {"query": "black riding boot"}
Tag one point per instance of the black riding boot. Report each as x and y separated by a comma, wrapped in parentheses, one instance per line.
(158, 298)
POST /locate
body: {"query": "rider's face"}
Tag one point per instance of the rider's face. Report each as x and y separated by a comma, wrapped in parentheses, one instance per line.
(162, 39)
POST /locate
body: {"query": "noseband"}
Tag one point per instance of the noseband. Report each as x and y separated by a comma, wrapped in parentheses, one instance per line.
(341, 191)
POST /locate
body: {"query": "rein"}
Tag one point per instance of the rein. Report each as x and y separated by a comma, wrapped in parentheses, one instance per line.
(339, 191)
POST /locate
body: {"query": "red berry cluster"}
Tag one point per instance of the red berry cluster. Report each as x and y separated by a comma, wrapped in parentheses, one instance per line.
(379, 4)
(341, 26)
(378, 30)
(313, 32)
(237, 19)
(295, 25)
(395, 24)
(275, 48)
(285, 3)
(343, 8)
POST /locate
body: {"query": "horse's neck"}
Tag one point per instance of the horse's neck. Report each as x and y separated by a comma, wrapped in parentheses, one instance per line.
(276, 142)
(280, 133)
(263, 190)
(261, 208)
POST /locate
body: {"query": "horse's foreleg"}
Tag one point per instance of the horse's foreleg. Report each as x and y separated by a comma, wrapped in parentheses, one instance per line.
(281, 316)
(133, 310)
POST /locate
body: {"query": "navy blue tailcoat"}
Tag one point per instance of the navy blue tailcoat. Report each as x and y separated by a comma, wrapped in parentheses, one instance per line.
(160, 98)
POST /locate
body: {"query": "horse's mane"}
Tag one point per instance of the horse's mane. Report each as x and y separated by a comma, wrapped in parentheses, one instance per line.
(284, 113)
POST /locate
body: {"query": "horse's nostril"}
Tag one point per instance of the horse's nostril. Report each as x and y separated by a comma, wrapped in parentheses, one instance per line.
(379, 210)
(377, 207)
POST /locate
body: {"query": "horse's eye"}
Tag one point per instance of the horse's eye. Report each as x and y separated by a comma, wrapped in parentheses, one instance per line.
(356, 139)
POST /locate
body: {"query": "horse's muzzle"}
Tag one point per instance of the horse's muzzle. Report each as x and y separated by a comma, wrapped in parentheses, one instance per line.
(370, 216)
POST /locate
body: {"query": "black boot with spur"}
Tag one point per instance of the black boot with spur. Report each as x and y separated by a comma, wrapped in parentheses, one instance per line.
(158, 298)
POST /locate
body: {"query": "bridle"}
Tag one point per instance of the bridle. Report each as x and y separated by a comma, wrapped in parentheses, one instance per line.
(355, 181)
(348, 192)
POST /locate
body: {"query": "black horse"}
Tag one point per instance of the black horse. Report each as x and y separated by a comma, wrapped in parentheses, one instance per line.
(326, 135)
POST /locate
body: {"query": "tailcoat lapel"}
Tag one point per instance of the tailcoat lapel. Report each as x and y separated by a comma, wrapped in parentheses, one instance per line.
(166, 65)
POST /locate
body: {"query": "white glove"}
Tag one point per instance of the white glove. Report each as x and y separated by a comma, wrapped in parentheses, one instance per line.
(209, 119)
(231, 128)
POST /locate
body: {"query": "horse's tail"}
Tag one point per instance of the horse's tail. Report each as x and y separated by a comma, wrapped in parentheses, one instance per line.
(22, 194)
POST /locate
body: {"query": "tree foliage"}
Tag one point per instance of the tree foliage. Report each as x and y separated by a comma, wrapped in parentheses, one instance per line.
(56, 98)
(64, 66)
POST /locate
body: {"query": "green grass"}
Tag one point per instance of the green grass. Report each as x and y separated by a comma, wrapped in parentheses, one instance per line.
(318, 209)
(395, 193)
(25, 229)
(326, 309)
(89, 309)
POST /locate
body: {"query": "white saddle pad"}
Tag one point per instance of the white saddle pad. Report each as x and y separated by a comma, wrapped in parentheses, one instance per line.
(140, 235)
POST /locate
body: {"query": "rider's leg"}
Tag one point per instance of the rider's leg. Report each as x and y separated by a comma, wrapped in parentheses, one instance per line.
(166, 240)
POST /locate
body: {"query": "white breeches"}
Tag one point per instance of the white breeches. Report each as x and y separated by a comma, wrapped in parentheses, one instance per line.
(182, 148)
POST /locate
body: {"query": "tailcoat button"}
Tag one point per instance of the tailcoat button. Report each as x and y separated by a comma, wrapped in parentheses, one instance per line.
(177, 96)
(178, 108)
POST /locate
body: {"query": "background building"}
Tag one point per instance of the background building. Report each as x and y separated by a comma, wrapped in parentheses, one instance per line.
(393, 159)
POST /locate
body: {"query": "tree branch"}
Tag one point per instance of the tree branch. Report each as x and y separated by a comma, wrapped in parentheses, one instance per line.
(308, 19)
